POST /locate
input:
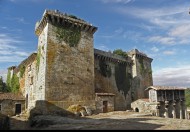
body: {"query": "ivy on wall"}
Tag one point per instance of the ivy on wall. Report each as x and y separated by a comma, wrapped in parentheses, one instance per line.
(142, 68)
(123, 78)
(105, 69)
(70, 35)
(22, 70)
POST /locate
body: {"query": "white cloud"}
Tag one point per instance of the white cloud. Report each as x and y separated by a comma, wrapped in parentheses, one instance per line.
(154, 49)
(9, 51)
(182, 31)
(174, 76)
(103, 47)
(169, 52)
(171, 23)
(18, 19)
(162, 40)
(117, 1)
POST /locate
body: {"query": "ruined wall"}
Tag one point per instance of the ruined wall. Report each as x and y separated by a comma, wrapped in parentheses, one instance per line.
(69, 70)
(114, 78)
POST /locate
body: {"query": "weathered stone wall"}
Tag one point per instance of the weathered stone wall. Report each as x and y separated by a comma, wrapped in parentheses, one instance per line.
(118, 82)
(8, 106)
(30, 85)
(142, 76)
(69, 70)
(99, 103)
(41, 65)
(144, 106)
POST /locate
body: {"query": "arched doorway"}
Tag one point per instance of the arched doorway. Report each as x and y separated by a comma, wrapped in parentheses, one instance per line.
(136, 110)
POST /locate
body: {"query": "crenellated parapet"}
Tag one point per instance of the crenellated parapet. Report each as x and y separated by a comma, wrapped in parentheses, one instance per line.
(63, 19)
(140, 55)
(112, 57)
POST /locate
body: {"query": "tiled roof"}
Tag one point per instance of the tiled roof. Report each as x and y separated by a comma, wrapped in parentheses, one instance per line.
(165, 88)
(11, 96)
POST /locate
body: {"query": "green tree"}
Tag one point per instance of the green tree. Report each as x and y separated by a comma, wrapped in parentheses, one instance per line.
(2, 85)
(120, 52)
(187, 97)
(12, 83)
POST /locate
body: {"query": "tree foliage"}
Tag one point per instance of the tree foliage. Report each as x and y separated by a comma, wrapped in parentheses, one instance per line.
(187, 97)
(120, 52)
(2, 85)
(12, 84)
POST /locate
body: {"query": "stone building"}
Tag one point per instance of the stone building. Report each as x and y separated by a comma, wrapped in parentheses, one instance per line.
(11, 104)
(164, 101)
(67, 70)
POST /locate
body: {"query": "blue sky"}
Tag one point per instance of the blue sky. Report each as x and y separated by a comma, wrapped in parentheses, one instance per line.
(159, 28)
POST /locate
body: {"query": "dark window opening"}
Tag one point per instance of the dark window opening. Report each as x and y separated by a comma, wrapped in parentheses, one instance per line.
(105, 106)
(18, 109)
(136, 110)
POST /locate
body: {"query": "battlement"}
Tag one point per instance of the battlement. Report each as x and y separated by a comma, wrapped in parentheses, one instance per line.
(112, 57)
(139, 54)
(63, 19)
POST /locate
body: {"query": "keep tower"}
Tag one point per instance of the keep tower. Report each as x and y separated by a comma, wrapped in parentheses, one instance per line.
(65, 60)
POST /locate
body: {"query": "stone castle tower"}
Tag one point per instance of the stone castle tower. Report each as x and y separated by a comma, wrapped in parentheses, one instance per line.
(142, 74)
(67, 70)
(65, 60)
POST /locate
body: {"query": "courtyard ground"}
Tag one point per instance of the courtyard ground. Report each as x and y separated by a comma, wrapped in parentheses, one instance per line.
(118, 120)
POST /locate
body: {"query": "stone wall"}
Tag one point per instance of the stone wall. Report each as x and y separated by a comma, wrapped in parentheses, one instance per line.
(69, 70)
(30, 85)
(142, 76)
(110, 102)
(8, 106)
(41, 65)
(144, 106)
(117, 82)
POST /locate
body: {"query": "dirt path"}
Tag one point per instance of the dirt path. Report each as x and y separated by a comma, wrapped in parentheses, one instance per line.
(19, 123)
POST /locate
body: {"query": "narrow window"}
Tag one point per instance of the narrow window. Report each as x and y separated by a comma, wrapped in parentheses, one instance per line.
(31, 80)
(0, 107)
(29, 68)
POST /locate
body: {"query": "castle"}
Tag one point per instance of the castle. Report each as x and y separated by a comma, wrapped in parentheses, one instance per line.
(67, 70)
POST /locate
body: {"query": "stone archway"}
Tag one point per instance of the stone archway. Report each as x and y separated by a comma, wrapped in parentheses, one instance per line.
(136, 110)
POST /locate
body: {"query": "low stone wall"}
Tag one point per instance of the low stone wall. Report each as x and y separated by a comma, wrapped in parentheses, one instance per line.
(4, 122)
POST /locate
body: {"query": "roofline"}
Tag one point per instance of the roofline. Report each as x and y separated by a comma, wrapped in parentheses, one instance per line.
(168, 88)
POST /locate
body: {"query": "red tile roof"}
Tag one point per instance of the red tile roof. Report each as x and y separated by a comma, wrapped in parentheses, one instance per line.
(11, 96)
